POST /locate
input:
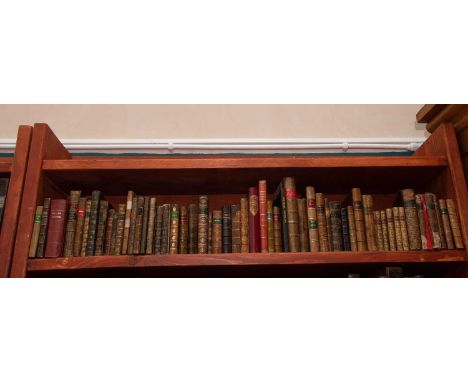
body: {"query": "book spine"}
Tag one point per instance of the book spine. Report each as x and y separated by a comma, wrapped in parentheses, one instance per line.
(236, 229)
(244, 225)
(303, 228)
(312, 220)
(128, 215)
(193, 229)
(432, 219)
(329, 224)
(396, 223)
(422, 221)
(404, 228)
(411, 216)
(292, 214)
(84, 239)
(95, 196)
(443, 241)
(454, 224)
(284, 218)
(158, 229)
(3, 193)
(217, 239)
(270, 225)
(277, 229)
(118, 229)
(80, 217)
(71, 223)
(109, 231)
(391, 229)
(174, 229)
(183, 230)
(336, 227)
(43, 230)
(254, 221)
(368, 206)
(383, 221)
(345, 230)
(262, 207)
(352, 228)
(227, 229)
(378, 230)
(144, 226)
(56, 230)
(131, 232)
(150, 229)
(203, 224)
(427, 226)
(210, 232)
(35, 234)
(446, 224)
(322, 223)
(166, 229)
(138, 225)
(359, 219)
(101, 228)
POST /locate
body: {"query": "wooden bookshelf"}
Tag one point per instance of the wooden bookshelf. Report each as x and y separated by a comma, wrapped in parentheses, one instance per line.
(15, 169)
(53, 172)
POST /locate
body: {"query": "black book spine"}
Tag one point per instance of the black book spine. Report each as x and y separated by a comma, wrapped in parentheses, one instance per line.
(93, 219)
(144, 230)
(227, 229)
(335, 217)
(345, 227)
(280, 200)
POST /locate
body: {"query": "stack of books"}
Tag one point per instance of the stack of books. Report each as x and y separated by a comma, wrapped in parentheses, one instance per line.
(286, 222)
(3, 194)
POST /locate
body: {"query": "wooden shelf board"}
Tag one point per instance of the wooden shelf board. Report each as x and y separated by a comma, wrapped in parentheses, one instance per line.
(5, 165)
(302, 258)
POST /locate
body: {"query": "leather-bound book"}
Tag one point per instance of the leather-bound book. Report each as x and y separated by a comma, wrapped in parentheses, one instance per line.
(80, 218)
(391, 229)
(329, 224)
(115, 224)
(174, 229)
(227, 229)
(277, 229)
(359, 219)
(71, 223)
(262, 211)
(210, 232)
(244, 225)
(144, 225)
(303, 228)
(120, 229)
(56, 230)
(378, 231)
(150, 230)
(166, 228)
(236, 239)
(183, 230)
(454, 224)
(443, 241)
(93, 219)
(270, 225)
(423, 223)
(336, 226)
(217, 239)
(446, 224)
(254, 221)
(158, 229)
(368, 207)
(35, 234)
(352, 228)
(128, 216)
(292, 214)
(43, 230)
(396, 224)
(84, 240)
(322, 223)
(345, 230)
(383, 221)
(411, 216)
(279, 199)
(312, 220)
(131, 232)
(138, 225)
(109, 231)
(193, 229)
(404, 228)
(3, 193)
(101, 228)
(203, 224)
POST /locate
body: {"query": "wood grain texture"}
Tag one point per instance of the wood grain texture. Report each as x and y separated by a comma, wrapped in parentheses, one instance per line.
(427, 112)
(13, 201)
(5, 165)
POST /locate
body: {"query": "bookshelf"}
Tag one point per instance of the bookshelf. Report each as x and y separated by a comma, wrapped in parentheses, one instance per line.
(53, 172)
(15, 169)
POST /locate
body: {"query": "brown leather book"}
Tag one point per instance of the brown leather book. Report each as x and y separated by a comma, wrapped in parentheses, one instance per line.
(322, 222)
(404, 228)
(193, 228)
(131, 232)
(236, 239)
(101, 228)
(138, 225)
(303, 228)
(411, 216)
(383, 221)
(254, 221)
(128, 215)
(93, 219)
(109, 231)
(391, 230)
(359, 219)
(312, 220)
(396, 224)
(423, 229)
(217, 239)
(271, 237)
(336, 226)
(368, 207)
(150, 231)
(443, 241)
(56, 230)
(80, 218)
(43, 230)
(71, 223)
(174, 230)
(454, 224)
(277, 229)
(84, 239)
(203, 224)
(210, 232)
(352, 228)
(35, 234)
(158, 229)
(120, 229)
(166, 228)
(183, 230)
(227, 228)
(378, 231)
(262, 210)
(329, 224)
(144, 224)
(244, 225)
(446, 224)
(292, 214)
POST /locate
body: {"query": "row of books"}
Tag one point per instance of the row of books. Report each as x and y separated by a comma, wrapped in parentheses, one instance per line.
(3, 193)
(286, 222)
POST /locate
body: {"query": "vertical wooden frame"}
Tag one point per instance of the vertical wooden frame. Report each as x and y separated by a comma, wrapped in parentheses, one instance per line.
(13, 200)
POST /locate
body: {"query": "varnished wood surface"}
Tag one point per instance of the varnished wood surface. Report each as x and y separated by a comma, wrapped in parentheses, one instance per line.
(5, 165)
(427, 112)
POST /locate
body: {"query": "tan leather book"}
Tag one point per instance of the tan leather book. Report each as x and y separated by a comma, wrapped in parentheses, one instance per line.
(101, 227)
(404, 228)
(131, 232)
(84, 240)
(433, 222)
(244, 225)
(150, 231)
(303, 227)
(378, 230)
(292, 214)
(277, 229)
(359, 219)
(217, 240)
(368, 207)
(352, 228)
(411, 217)
(391, 229)
(166, 228)
(174, 229)
(35, 234)
(322, 222)
(396, 224)
(71, 223)
(446, 224)
(425, 244)
(203, 225)
(454, 224)
(128, 215)
(183, 230)
(312, 220)
(120, 229)
(383, 221)
(443, 241)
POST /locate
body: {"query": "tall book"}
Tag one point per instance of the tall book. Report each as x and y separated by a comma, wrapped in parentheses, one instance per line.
(368, 207)
(158, 229)
(35, 234)
(3, 193)
(80, 218)
(120, 229)
(133, 219)
(43, 230)
(322, 223)
(236, 228)
(227, 229)
(404, 228)
(128, 215)
(396, 224)
(391, 229)
(217, 231)
(183, 230)
(203, 224)
(312, 220)
(150, 230)
(71, 223)
(352, 228)
(411, 216)
(292, 214)
(423, 223)
(84, 239)
(336, 228)
(303, 228)
(93, 218)
(109, 231)
(378, 231)
(174, 229)
(193, 228)
(443, 241)
(446, 224)
(329, 224)
(454, 224)
(56, 230)
(210, 232)
(262, 207)
(144, 226)
(138, 225)
(101, 227)
(244, 225)
(279, 199)
(166, 228)
(345, 230)
(383, 221)
(254, 221)
(359, 219)
(270, 225)
(277, 229)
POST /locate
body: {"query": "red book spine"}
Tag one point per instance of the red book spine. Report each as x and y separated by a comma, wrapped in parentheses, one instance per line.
(427, 227)
(262, 206)
(56, 231)
(254, 221)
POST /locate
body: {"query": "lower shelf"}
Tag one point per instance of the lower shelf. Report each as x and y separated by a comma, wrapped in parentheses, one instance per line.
(242, 259)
